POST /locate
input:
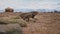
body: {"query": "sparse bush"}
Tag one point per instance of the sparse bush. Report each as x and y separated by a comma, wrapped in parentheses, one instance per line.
(12, 21)
(8, 21)
(21, 22)
(17, 17)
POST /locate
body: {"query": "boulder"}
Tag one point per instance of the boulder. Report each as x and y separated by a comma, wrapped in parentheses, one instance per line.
(10, 29)
(9, 9)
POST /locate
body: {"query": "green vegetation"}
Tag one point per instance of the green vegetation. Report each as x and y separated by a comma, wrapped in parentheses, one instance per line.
(13, 20)
(17, 17)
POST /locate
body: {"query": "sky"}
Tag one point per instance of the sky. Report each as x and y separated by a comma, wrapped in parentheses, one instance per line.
(30, 4)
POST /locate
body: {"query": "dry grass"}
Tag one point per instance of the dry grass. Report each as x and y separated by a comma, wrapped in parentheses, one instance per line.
(46, 23)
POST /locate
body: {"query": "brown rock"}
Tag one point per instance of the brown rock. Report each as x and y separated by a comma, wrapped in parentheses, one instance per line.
(8, 9)
(10, 29)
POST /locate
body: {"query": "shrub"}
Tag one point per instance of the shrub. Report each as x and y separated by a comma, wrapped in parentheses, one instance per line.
(17, 17)
(13, 20)
(22, 23)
